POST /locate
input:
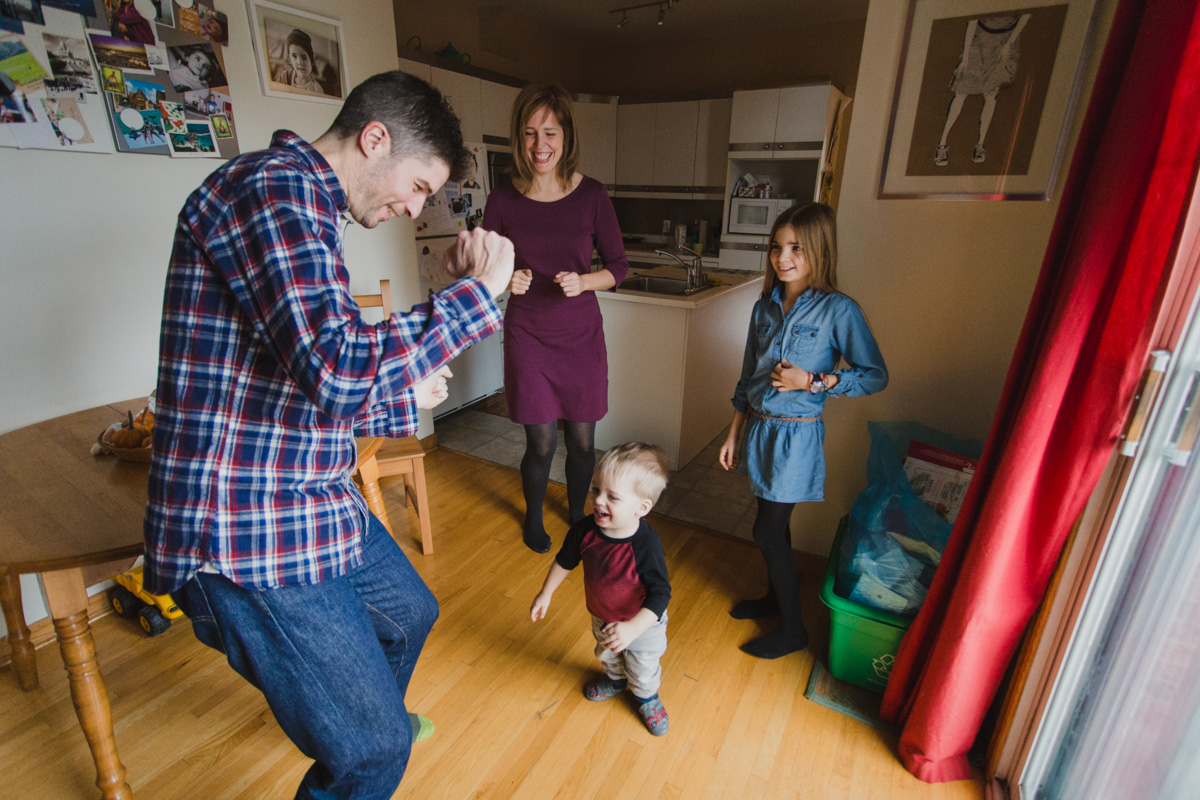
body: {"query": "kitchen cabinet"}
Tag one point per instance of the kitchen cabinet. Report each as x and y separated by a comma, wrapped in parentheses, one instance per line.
(635, 145)
(783, 123)
(478, 371)
(422, 71)
(596, 124)
(713, 118)
(673, 365)
(463, 94)
(675, 144)
(496, 101)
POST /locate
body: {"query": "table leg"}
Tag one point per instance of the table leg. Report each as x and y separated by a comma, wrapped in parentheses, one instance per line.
(68, 607)
(24, 659)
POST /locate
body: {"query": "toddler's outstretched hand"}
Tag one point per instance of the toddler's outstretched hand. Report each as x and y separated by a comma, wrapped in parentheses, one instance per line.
(789, 378)
(541, 604)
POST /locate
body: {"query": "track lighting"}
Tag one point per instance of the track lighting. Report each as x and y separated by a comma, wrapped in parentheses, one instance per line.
(663, 7)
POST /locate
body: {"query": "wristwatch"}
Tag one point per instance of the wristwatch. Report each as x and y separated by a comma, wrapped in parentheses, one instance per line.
(816, 384)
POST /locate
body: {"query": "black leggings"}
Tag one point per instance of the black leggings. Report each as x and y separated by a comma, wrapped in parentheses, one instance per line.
(540, 442)
(773, 535)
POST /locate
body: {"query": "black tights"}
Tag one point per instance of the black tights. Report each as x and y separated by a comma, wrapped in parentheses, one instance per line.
(773, 535)
(540, 442)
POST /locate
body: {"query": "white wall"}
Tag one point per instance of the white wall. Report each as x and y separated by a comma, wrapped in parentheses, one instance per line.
(945, 285)
(86, 238)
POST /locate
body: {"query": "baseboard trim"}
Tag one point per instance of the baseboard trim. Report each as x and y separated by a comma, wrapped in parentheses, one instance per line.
(41, 633)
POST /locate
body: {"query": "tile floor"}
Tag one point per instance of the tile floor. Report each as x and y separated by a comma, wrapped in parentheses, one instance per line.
(701, 493)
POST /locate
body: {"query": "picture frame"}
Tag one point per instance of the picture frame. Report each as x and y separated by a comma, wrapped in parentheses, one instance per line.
(984, 98)
(300, 56)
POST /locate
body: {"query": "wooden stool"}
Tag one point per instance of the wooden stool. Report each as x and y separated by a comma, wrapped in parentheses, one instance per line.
(382, 458)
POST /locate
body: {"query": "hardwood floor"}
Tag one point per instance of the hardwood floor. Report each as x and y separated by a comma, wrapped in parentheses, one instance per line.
(504, 693)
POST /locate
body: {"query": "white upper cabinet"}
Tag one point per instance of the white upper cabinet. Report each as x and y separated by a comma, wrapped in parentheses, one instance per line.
(596, 127)
(496, 100)
(422, 71)
(712, 145)
(754, 116)
(635, 144)
(784, 123)
(463, 92)
(675, 144)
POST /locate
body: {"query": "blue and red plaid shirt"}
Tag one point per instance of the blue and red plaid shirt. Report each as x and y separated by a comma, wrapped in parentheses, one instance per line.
(267, 371)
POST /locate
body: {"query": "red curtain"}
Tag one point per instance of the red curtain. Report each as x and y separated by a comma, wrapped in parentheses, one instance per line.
(1069, 387)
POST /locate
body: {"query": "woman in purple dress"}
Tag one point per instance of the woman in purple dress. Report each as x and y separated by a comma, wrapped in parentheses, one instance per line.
(555, 362)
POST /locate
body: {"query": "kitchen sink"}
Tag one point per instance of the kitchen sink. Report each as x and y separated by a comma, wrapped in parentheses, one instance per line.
(659, 285)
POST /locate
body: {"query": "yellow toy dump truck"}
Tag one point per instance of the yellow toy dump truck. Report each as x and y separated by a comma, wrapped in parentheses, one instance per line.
(129, 599)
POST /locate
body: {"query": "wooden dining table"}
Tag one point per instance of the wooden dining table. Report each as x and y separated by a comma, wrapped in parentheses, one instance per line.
(76, 519)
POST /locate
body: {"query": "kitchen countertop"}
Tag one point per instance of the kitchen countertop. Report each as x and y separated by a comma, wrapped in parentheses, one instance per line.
(731, 280)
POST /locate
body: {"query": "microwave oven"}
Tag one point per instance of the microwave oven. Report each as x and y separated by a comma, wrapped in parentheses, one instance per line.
(755, 215)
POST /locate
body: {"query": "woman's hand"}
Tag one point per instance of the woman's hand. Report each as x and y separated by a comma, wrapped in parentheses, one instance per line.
(571, 283)
(521, 281)
(789, 378)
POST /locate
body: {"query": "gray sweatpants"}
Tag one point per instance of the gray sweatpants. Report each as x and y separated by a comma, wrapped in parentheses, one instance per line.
(638, 663)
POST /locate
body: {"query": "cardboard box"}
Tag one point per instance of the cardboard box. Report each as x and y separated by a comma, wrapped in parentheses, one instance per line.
(939, 477)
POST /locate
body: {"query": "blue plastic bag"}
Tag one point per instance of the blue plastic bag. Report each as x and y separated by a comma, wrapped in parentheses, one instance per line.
(894, 540)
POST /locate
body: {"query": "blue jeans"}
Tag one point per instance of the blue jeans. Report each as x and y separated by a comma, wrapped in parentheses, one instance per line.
(333, 660)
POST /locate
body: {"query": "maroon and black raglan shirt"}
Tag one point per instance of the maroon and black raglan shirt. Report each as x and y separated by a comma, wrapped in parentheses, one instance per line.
(620, 576)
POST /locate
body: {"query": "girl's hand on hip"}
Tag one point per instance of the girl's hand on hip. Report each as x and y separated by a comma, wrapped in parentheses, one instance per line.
(521, 281)
(789, 378)
(571, 283)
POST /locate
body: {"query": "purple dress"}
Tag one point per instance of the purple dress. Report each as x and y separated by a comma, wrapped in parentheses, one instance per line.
(555, 362)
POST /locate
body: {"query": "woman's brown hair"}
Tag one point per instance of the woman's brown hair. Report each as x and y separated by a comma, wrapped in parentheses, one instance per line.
(532, 98)
(816, 231)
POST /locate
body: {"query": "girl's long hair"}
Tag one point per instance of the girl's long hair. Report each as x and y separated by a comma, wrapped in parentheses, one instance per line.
(532, 98)
(816, 232)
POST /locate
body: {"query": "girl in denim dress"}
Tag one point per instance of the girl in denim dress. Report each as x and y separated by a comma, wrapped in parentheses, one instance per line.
(800, 329)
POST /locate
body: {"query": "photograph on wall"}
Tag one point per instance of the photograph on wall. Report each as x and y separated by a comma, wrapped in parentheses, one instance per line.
(84, 8)
(196, 140)
(194, 66)
(14, 105)
(18, 63)
(114, 79)
(67, 121)
(122, 54)
(141, 130)
(70, 61)
(16, 13)
(132, 20)
(300, 55)
(156, 56)
(215, 26)
(65, 87)
(190, 13)
(983, 98)
(221, 128)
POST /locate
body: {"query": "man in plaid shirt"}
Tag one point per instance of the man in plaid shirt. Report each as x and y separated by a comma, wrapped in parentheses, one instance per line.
(266, 373)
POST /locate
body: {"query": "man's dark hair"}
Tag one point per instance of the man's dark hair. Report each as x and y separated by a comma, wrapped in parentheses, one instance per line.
(419, 120)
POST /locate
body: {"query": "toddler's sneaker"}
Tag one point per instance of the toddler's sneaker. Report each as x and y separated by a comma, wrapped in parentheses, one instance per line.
(654, 715)
(603, 688)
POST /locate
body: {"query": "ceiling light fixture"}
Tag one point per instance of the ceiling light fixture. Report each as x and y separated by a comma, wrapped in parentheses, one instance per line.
(663, 7)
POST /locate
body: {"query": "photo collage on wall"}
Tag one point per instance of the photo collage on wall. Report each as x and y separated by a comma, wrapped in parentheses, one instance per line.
(135, 76)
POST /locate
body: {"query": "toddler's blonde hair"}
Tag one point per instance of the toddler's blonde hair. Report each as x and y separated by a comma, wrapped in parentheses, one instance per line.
(644, 464)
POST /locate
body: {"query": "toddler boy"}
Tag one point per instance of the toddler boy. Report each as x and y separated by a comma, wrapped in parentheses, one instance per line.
(624, 578)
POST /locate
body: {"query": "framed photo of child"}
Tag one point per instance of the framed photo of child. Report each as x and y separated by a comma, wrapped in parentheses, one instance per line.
(984, 97)
(300, 55)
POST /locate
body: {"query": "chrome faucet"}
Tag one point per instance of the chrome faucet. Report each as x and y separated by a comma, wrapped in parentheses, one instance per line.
(694, 271)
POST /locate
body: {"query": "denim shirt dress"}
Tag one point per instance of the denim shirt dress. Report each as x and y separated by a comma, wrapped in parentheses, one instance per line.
(785, 459)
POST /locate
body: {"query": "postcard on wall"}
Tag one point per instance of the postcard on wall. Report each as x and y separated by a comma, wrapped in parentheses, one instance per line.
(119, 53)
(66, 120)
(70, 61)
(195, 66)
(196, 140)
(18, 63)
(141, 131)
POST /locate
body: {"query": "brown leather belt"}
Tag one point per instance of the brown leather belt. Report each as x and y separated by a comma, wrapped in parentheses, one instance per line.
(784, 419)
